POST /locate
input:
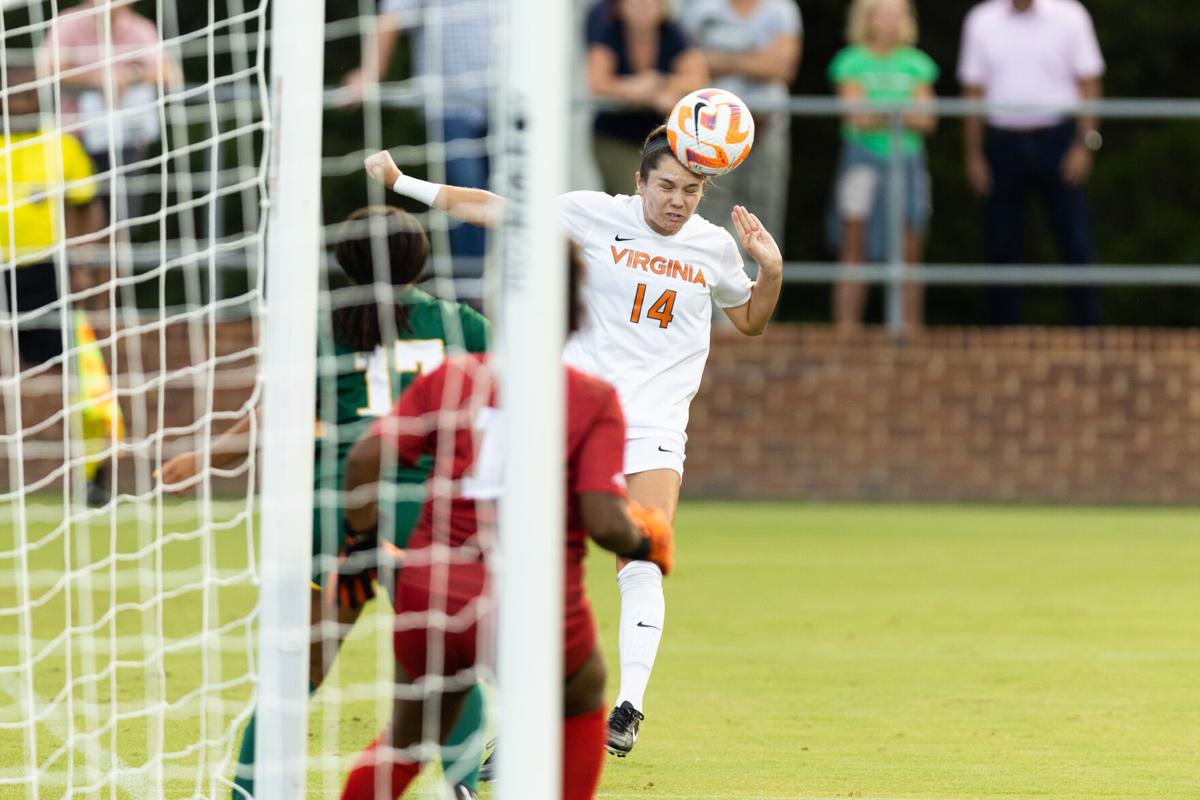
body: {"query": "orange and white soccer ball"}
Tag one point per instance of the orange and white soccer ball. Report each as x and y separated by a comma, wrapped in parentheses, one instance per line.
(711, 131)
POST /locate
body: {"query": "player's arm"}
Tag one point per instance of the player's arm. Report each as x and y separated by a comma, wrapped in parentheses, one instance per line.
(354, 583)
(406, 434)
(631, 531)
(362, 470)
(476, 206)
(228, 449)
(751, 317)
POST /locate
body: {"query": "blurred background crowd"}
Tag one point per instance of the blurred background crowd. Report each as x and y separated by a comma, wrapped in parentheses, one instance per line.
(1029, 181)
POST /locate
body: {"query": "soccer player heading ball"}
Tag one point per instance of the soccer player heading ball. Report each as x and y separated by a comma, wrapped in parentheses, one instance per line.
(654, 270)
(450, 413)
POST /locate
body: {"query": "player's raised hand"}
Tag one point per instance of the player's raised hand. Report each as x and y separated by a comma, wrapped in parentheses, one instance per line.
(178, 471)
(655, 526)
(381, 167)
(756, 240)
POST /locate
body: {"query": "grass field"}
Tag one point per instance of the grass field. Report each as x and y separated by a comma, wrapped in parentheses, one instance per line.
(810, 652)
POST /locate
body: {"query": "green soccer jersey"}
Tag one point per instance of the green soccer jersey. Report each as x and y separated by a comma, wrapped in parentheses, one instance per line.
(364, 386)
(894, 76)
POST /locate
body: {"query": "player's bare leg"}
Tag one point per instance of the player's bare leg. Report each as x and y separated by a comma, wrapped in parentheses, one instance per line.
(387, 774)
(583, 729)
(643, 612)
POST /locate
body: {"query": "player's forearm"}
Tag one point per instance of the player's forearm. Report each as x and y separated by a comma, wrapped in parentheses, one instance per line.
(233, 445)
(361, 483)
(606, 520)
(763, 299)
(476, 206)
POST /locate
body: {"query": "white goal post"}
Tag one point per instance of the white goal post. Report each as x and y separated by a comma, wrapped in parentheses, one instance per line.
(145, 631)
(289, 364)
(533, 126)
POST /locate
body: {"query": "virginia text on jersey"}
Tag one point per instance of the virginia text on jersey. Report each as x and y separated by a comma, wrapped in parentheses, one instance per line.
(638, 259)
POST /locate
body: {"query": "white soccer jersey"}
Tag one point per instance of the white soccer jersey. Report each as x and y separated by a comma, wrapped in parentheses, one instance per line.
(648, 306)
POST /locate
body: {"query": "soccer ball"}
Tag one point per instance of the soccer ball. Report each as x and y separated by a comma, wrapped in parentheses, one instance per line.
(711, 131)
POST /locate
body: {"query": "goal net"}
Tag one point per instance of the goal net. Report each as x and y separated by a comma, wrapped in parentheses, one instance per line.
(136, 355)
(133, 188)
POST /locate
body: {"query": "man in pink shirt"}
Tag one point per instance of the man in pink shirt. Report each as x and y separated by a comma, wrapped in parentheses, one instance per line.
(109, 58)
(1036, 60)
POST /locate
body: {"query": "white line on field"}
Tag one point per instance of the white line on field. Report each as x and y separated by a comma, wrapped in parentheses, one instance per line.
(108, 762)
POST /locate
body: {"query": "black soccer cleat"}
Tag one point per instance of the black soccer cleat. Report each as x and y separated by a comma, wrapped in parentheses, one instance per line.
(98, 493)
(462, 792)
(623, 724)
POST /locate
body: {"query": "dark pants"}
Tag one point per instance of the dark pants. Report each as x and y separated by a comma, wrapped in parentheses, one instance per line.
(467, 242)
(40, 338)
(1024, 161)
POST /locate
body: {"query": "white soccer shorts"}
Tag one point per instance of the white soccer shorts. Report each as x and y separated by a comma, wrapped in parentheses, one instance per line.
(653, 452)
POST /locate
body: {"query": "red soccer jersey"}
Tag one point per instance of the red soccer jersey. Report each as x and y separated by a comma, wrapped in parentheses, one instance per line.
(450, 414)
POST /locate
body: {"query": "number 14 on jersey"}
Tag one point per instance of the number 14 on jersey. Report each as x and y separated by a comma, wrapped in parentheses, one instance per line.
(661, 310)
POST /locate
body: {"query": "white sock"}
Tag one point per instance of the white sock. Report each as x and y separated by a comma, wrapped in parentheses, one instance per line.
(643, 609)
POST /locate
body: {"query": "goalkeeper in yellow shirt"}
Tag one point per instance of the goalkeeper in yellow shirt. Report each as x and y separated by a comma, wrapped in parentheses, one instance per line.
(48, 195)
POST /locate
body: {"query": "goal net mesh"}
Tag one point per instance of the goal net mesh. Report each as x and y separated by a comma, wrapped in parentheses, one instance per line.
(133, 209)
(133, 190)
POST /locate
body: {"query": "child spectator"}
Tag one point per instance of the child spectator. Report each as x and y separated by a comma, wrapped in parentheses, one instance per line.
(880, 64)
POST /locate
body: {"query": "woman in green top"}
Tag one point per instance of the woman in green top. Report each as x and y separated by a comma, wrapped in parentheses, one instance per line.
(880, 64)
(367, 354)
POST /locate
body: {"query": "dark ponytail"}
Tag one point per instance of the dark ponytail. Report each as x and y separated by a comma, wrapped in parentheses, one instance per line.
(656, 146)
(405, 251)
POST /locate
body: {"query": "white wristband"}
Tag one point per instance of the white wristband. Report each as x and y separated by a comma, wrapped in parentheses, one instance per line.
(417, 189)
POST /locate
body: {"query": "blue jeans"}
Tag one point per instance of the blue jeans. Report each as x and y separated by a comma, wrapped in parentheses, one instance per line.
(467, 242)
(862, 192)
(1022, 161)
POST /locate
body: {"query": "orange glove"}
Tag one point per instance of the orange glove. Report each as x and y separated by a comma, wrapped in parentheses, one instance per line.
(653, 523)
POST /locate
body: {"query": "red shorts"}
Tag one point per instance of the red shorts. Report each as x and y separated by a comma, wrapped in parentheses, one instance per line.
(466, 634)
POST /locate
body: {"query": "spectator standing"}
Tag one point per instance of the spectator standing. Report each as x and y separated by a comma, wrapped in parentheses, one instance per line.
(452, 60)
(77, 50)
(753, 49)
(881, 63)
(47, 197)
(642, 59)
(1040, 53)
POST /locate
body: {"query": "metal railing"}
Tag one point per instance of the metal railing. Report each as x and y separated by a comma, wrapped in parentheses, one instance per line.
(893, 273)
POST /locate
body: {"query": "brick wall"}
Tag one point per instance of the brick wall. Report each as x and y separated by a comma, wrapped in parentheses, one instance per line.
(962, 414)
(163, 385)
